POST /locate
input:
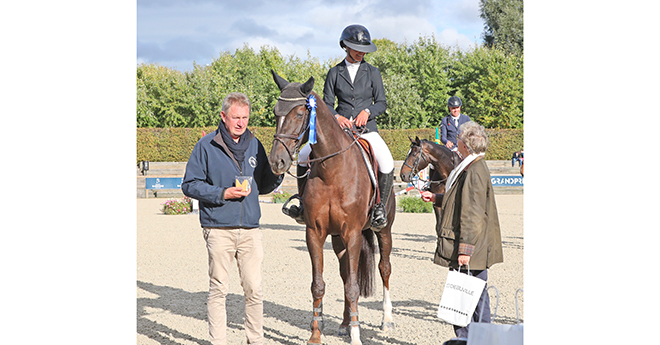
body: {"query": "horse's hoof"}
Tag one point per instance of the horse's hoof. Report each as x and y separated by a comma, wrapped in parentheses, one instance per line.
(343, 331)
(315, 338)
(388, 326)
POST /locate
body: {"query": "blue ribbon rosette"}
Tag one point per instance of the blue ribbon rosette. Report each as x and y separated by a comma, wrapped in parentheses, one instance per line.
(311, 105)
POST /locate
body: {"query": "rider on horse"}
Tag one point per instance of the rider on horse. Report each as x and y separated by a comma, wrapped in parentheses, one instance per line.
(358, 87)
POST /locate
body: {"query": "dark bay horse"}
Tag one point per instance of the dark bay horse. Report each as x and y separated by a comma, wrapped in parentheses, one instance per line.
(424, 152)
(337, 198)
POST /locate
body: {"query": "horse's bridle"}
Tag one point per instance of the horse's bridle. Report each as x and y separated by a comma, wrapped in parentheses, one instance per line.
(303, 129)
(415, 171)
(419, 157)
(297, 138)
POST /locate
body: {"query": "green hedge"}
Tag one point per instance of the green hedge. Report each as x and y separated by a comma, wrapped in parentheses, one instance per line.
(175, 144)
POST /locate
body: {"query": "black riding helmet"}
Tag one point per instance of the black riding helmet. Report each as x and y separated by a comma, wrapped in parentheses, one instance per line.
(454, 102)
(357, 37)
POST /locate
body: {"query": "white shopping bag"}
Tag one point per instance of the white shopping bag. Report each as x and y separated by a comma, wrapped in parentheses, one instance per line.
(460, 297)
(495, 334)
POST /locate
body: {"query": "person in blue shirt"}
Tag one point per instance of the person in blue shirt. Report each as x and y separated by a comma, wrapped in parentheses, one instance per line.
(449, 124)
(514, 158)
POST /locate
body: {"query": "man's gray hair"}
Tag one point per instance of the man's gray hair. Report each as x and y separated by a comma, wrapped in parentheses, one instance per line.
(235, 98)
(474, 136)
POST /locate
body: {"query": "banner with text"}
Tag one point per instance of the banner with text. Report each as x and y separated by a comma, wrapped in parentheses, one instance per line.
(506, 181)
(163, 182)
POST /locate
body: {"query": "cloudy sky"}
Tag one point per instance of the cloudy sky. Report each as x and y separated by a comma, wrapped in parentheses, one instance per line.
(175, 33)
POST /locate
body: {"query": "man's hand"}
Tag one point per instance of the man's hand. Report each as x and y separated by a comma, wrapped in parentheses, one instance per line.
(236, 192)
(449, 144)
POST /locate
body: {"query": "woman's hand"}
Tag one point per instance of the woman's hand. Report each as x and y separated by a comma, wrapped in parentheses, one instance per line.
(362, 119)
(343, 122)
(428, 196)
(463, 260)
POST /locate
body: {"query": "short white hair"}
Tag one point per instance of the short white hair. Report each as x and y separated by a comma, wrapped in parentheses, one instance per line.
(474, 136)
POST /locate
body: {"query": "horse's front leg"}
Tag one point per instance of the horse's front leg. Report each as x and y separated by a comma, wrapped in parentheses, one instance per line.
(353, 244)
(340, 251)
(385, 268)
(315, 249)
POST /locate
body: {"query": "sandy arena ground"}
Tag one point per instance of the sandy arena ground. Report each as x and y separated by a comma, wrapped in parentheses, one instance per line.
(172, 281)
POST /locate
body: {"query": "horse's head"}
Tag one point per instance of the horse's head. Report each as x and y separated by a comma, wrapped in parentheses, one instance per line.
(292, 122)
(415, 160)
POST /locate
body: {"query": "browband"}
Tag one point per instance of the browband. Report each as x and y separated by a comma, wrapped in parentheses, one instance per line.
(292, 99)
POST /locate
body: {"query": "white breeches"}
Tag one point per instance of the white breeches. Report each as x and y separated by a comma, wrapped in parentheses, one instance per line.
(381, 151)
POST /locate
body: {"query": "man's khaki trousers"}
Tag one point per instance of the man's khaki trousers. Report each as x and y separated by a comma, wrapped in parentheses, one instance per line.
(245, 245)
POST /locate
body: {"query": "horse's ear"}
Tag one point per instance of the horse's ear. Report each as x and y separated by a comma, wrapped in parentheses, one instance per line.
(281, 82)
(307, 87)
(417, 140)
(409, 138)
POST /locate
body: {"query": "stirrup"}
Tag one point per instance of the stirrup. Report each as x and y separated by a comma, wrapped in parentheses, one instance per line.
(375, 224)
(287, 210)
(293, 211)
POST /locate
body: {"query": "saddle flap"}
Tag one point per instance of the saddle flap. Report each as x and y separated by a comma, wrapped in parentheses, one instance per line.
(371, 163)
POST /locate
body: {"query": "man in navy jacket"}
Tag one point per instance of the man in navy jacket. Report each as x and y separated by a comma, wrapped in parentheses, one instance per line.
(449, 124)
(229, 213)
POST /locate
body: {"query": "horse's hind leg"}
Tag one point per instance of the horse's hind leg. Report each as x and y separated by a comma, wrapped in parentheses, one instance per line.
(385, 268)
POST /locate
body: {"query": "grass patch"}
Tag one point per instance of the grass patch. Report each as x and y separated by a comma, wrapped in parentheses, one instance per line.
(414, 204)
(281, 197)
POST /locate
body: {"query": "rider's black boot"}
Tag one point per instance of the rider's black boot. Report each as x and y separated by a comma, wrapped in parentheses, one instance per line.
(296, 211)
(379, 218)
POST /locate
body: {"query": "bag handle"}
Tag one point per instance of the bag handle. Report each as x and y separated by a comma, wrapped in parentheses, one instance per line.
(497, 303)
(468, 269)
(517, 317)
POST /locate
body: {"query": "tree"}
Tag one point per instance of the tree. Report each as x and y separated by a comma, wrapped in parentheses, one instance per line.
(503, 26)
(418, 78)
(404, 106)
(430, 63)
(160, 98)
(490, 82)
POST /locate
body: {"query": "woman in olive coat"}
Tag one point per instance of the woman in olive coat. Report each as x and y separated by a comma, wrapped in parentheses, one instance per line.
(469, 229)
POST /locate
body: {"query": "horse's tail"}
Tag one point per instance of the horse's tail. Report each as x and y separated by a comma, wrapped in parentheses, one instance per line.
(366, 266)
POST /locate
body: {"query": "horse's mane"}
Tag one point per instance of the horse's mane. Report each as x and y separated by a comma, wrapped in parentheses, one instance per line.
(321, 106)
(449, 154)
